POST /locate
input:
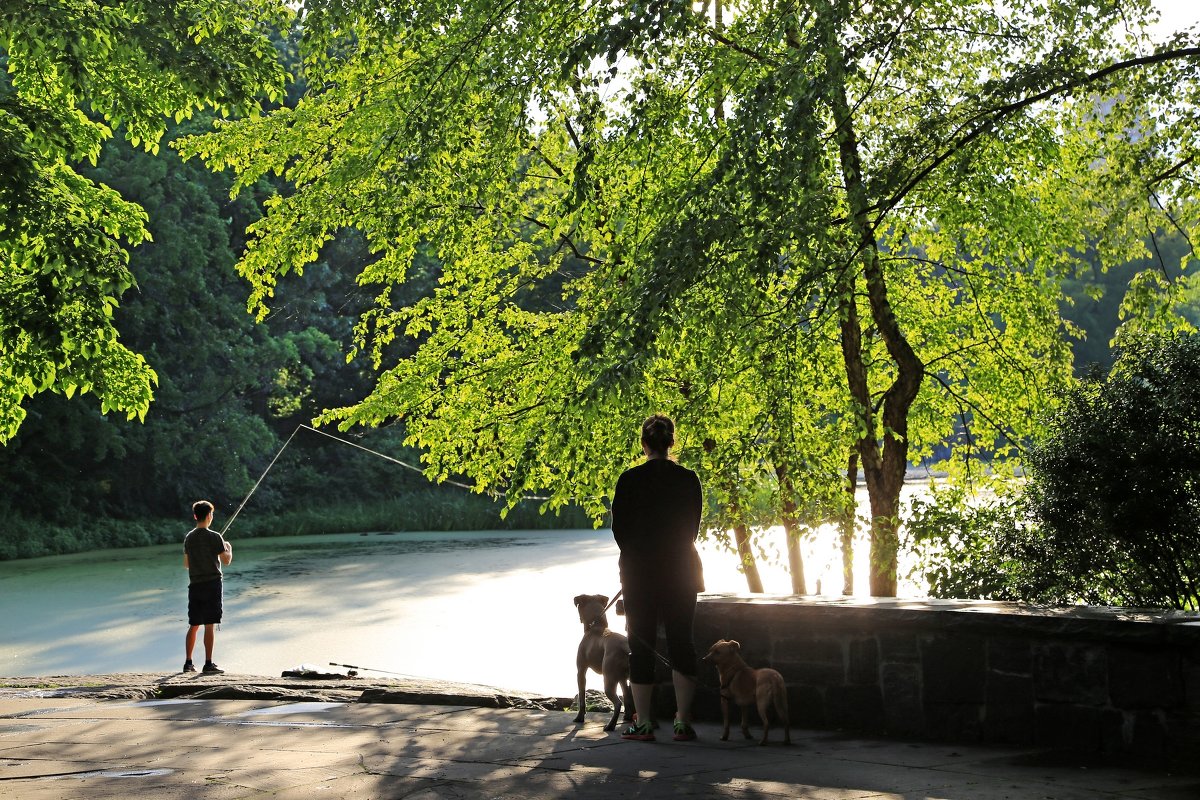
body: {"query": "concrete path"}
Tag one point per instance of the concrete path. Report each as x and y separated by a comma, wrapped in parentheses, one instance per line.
(70, 747)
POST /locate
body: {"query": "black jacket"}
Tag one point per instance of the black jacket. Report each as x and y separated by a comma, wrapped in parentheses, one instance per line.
(656, 512)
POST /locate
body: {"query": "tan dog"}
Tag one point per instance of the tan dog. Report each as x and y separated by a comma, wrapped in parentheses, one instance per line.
(746, 686)
(605, 652)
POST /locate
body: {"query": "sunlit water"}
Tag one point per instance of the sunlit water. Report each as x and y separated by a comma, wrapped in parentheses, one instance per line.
(493, 608)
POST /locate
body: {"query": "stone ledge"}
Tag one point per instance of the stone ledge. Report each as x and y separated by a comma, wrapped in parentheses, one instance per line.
(1122, 682)
(852, 613)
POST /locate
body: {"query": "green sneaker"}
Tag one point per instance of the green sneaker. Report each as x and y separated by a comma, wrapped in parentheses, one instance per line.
(684, 732)
(639, 732)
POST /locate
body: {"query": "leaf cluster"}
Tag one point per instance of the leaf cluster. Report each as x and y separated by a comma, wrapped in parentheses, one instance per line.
(72, 73)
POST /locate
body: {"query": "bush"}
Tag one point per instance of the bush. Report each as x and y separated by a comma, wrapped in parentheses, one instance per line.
(1110, 512)
(1115, 485)
(964, 544)
(430, 509)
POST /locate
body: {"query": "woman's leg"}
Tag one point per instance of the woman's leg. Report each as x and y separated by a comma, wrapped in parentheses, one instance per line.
(641, 624)
(685, 692)
(679, 614)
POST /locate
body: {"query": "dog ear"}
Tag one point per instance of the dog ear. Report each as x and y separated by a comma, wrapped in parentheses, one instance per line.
(602, 599)
(737, 648)
(579, 598)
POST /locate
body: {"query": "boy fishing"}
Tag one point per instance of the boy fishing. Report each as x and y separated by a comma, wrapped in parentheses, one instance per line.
(204, 551)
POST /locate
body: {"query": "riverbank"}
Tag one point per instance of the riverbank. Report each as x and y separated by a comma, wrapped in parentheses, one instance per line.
(332, 687)
(430, 509)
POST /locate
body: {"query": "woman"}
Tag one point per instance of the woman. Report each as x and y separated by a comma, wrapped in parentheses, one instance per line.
(655, 519)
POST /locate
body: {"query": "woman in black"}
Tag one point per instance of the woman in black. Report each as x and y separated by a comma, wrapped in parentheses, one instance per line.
(655, 519)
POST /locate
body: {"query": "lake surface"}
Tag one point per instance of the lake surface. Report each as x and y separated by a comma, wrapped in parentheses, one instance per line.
(492, 608)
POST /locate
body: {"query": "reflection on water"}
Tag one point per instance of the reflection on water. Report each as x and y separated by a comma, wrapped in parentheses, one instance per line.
(493, 608)
(303, 557)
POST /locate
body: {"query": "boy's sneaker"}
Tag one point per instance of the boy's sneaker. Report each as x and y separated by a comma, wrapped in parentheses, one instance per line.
(212, 669)
(639, 732)
(188, 666)
(684, 732)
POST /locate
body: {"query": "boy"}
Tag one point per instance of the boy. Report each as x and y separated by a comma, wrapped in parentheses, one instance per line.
(204, 551)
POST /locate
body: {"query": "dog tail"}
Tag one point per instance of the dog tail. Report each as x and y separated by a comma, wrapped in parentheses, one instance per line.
(780, 701)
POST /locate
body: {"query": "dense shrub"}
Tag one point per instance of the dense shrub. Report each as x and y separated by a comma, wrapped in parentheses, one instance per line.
(1110, 512)
(1115, 485)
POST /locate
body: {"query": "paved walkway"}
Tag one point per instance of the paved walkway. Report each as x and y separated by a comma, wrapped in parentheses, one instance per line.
(72, 747)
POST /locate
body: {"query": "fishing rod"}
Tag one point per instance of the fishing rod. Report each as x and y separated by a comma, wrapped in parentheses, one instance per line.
(355, 668)
(369, 669)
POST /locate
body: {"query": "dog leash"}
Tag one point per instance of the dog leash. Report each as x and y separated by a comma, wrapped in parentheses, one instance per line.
(666, 662)
(613, 602)
(662, 659)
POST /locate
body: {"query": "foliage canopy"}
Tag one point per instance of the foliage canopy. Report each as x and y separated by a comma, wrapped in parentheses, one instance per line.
(805, 228)
(73, 71)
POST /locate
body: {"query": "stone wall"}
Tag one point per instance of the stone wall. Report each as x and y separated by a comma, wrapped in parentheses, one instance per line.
(1110, 681)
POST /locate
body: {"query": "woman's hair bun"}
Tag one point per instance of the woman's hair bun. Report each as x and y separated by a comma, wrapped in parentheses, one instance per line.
(658, 433)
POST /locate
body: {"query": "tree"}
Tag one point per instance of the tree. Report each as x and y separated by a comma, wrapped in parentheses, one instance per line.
(219, 375)
(1093, 299)
(74, 71)
(884, 199)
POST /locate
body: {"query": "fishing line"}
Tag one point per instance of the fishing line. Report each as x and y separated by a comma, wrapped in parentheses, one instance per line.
(384, 456)
(260, 480)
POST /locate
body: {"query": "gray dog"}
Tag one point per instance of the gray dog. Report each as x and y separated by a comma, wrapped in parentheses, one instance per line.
(605, 652)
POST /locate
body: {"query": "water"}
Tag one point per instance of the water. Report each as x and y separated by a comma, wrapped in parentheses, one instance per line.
(493, 608)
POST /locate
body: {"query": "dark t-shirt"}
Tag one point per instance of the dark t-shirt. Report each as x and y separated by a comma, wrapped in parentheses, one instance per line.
(656, 512)
(203, 547)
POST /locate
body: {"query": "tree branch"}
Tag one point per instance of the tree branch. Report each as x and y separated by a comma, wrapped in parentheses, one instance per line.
(993, 116)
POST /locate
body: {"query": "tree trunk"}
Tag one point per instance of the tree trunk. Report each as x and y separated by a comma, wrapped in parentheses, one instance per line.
(883, 465)
(848, 525)
(795, 558)
(792, 528)
(741, 535)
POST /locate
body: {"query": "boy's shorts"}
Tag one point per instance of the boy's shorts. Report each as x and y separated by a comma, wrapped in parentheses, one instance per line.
(204, 603)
